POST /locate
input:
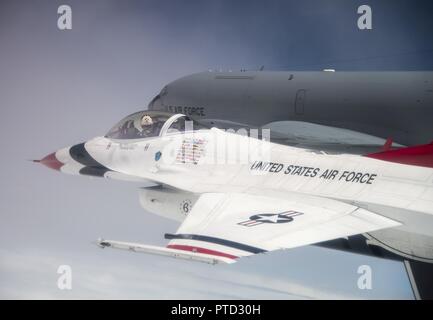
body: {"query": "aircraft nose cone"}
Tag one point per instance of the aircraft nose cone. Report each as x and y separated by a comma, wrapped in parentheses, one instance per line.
(51, 162)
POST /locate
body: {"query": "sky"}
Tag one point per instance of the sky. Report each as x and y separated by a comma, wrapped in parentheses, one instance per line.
(59, 88)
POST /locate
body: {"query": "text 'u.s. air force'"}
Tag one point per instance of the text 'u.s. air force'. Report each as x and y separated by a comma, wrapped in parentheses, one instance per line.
(317, 173)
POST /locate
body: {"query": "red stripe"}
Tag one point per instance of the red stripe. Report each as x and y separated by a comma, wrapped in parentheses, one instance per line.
(248, 222)
(201, 250)
(416, 155)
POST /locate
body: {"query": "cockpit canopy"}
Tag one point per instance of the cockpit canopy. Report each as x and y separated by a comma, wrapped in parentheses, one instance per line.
(146, 124)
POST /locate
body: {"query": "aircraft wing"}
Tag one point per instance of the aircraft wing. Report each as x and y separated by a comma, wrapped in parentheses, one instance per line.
(324, 138)
(223, 227)
(233, 225)
(313, 136)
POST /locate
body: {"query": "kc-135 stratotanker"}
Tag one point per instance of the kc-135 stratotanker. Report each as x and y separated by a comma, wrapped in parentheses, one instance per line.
(252, 162)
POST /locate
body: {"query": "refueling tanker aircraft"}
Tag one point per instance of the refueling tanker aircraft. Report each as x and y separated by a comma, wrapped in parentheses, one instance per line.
(288, 171)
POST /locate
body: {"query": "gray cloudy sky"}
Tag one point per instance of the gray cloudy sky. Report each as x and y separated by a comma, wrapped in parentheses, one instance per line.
(58, 88)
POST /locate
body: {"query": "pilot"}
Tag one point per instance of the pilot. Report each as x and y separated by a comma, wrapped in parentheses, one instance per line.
(147, 126)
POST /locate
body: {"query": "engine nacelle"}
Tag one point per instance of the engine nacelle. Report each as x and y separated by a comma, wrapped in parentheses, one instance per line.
(169, 203)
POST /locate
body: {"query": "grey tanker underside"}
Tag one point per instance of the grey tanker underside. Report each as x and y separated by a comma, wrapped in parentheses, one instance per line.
(383, 104)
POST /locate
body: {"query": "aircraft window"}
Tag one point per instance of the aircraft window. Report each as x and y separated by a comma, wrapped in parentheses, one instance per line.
(145, 124)
(139, 125)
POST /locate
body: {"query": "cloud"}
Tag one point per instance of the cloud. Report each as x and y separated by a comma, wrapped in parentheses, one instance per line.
(30, 275)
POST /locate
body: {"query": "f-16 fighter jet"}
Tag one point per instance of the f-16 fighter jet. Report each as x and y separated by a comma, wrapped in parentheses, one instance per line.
(237, 194)
(324, 174)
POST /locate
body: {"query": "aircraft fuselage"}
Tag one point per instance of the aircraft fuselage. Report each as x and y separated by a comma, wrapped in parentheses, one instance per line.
(384, 104)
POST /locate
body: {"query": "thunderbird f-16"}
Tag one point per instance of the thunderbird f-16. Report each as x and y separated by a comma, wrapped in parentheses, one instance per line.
(311, 180)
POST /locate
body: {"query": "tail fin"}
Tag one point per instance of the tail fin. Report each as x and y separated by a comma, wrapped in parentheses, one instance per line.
(421, 155)
(388, 145)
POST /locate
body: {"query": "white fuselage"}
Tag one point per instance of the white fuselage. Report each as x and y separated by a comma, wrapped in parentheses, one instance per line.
(217, 161)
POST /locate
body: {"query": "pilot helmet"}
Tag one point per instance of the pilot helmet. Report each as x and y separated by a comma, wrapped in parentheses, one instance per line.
(146, 121)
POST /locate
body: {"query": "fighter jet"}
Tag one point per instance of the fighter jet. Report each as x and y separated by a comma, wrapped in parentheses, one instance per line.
(237, 194)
